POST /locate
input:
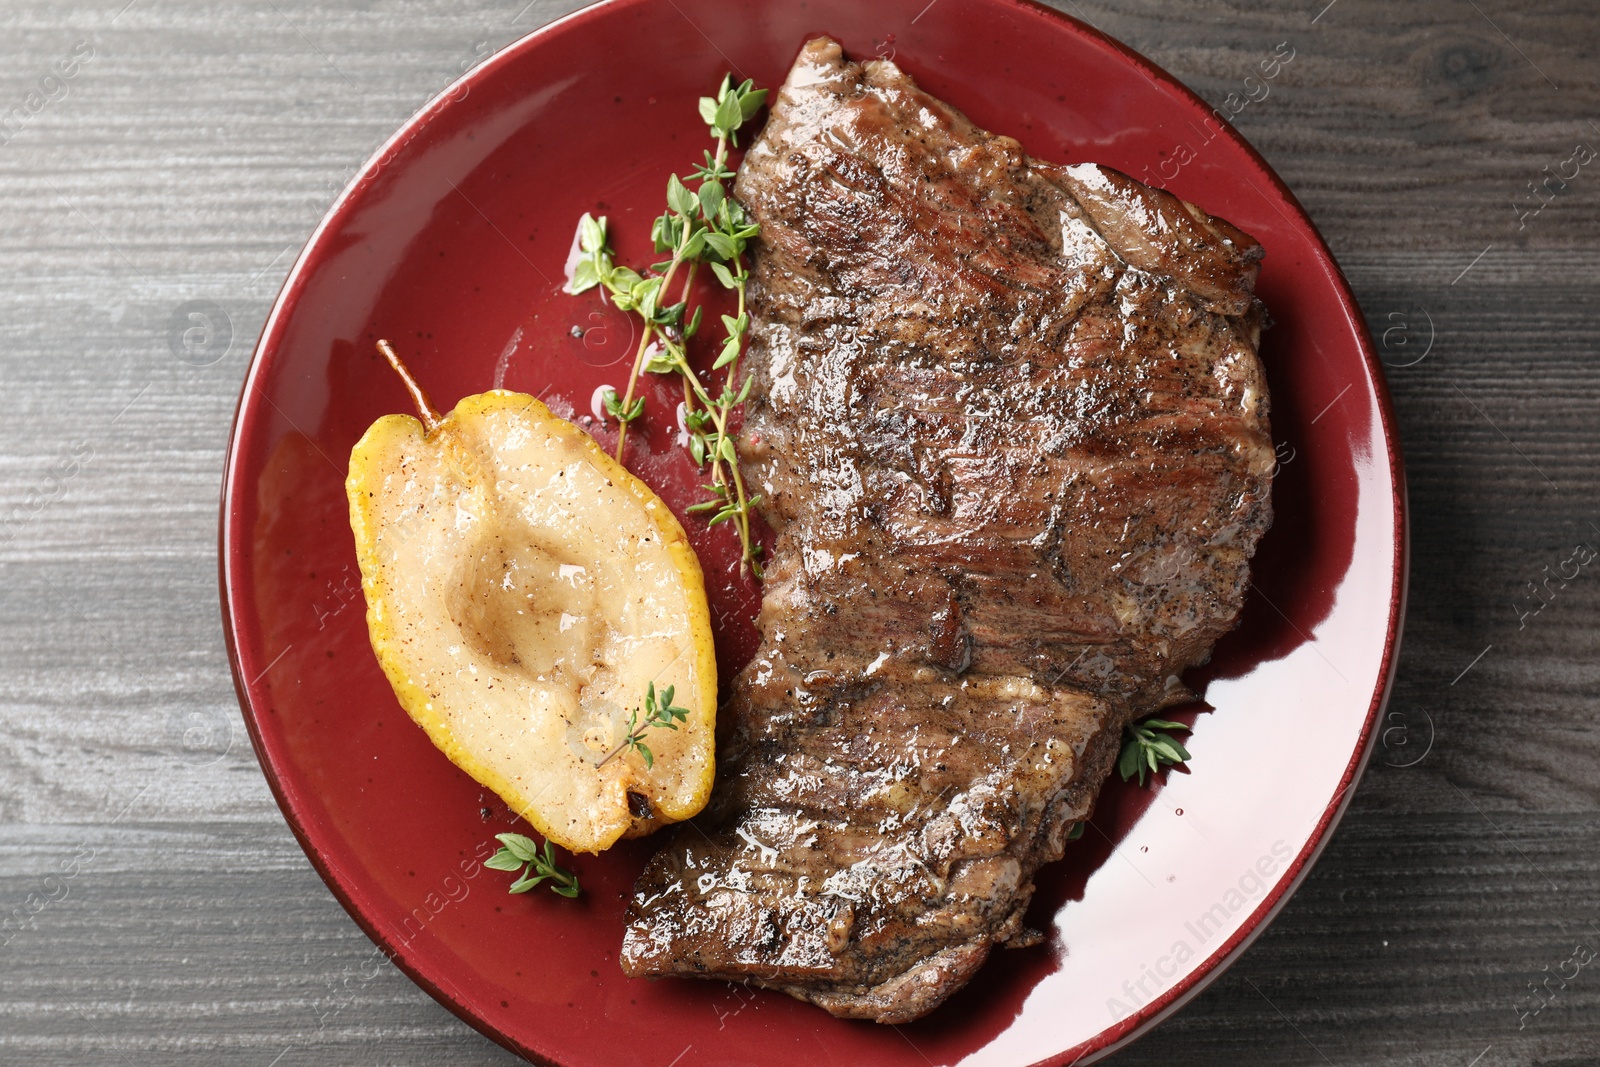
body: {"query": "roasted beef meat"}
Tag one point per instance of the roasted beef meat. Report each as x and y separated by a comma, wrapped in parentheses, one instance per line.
(1011, 432)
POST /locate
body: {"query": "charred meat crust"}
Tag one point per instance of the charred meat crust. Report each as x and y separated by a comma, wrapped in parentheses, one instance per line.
(1012, 434)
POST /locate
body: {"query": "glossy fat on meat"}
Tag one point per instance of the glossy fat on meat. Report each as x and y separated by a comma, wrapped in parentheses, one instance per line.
(1011, 432)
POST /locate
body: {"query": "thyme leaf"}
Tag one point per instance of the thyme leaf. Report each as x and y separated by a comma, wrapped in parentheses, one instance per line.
(1146, 748)
(701, 226)
(658, 714)
(522, 855)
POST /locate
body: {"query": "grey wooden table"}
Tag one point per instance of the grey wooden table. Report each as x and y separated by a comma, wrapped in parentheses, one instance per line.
(153, 905)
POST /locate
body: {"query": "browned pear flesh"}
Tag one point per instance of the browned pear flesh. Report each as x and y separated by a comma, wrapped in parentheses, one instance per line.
(524, 592)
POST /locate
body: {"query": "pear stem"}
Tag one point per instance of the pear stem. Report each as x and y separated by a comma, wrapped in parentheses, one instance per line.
(430, 416)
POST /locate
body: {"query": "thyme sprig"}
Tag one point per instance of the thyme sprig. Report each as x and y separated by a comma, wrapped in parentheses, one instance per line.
(702, 225)
(658, 714)
(1146, 748)
(522, 855)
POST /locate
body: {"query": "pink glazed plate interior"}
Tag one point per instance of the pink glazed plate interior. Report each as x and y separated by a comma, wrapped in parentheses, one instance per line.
(452, 243)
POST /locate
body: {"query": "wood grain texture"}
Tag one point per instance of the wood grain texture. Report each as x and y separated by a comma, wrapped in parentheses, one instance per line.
(189, 159)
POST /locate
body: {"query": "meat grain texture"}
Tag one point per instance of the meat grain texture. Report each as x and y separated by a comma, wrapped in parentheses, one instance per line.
(1012, 434)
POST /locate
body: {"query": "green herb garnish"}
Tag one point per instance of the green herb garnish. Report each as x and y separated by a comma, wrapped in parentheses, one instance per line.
(614, 408)
(1146, 748)
(656, 714)
(522, 855)
(702, 225)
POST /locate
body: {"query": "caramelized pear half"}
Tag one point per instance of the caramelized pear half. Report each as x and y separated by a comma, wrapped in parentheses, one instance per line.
(523, 592)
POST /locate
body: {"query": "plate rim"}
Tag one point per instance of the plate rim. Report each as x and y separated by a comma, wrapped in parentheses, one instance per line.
(1124, 1031)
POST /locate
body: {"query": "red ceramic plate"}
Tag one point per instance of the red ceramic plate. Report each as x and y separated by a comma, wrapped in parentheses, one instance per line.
(452, 243)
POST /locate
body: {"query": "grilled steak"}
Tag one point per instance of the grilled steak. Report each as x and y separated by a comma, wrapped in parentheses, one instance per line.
(1011, 431)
